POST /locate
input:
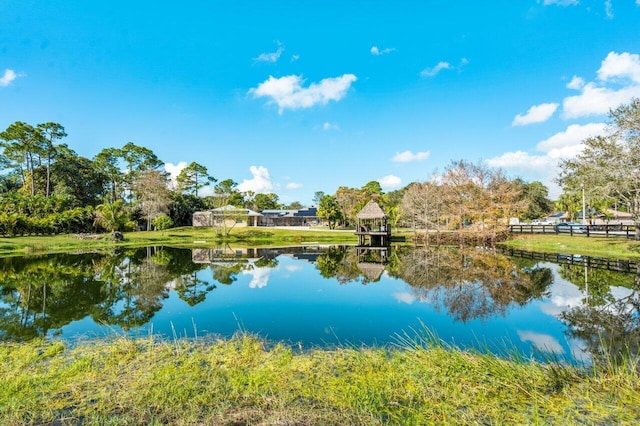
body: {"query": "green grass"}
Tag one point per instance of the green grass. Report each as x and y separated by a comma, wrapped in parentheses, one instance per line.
(241, 381)
(176, 237)
(619, 248)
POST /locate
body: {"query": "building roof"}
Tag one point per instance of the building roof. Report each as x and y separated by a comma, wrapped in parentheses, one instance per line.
(229, 209)
(372, 211)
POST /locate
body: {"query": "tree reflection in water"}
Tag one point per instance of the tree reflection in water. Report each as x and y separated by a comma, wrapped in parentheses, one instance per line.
(470, 283)
(40, 295)
(125, 288)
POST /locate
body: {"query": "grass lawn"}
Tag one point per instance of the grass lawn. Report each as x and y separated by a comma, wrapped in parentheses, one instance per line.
(241, 381)
(618, 248)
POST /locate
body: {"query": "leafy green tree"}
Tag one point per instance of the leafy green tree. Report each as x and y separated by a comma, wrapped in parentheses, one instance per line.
(193, 178)
(609, 165)
(317, 196)
(22, 144)
(330, 210)
(162, 222)
(112, 216)
(51, 132)
(266, 202)
(183, 206)
(106, 162)
(226, 193)
(535, 197)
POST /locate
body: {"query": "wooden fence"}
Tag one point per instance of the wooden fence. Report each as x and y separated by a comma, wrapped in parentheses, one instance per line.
(629, 266)
(627, 231)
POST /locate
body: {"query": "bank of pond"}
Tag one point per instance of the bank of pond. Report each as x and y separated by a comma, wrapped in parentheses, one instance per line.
(327, 334)
(570, 308)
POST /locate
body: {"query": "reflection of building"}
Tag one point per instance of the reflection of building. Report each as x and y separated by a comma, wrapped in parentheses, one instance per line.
(227, 216)
(302, 217)
(372, 225)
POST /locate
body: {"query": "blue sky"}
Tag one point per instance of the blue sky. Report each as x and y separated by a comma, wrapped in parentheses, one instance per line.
(294, 97)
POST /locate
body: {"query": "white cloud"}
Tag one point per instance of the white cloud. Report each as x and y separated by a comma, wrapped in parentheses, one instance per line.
(596, 100)
(608, 9)
(259, 183)
(561, 2)
(390, 182)
(377, 52)
(287, 92)
(408, 156)
(295, 58)
(520, 160)
(568, 143)
(328, 126)
(271, 56)
(620, 66)
(542, 342)
(431, 72)
(407, 298)
(174, 170)
(576, 83)
(259, 277)
(535, 114)
(621, 69)
(293, 185)
(8, 77)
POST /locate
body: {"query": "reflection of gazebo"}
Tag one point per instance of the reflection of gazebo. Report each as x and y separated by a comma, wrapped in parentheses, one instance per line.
(372, 223)
(372, 261)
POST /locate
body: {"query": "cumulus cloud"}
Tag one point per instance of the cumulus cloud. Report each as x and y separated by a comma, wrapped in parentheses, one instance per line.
(377, 52)
(259, 183)
(620, 66)
(293, 185)
(288, 93)
(576, 83)
(520, 160)
(390, 182)
(271, 56)
(622, 71)
(408, 156)
(328, 126)
(568, 143)
(8, 77)
(535, 114)
(174, 170)
(431, 72)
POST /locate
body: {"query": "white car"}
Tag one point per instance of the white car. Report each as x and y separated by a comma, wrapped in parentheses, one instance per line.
(540, 222)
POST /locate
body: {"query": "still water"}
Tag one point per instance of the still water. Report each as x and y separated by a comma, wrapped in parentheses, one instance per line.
(324, 296)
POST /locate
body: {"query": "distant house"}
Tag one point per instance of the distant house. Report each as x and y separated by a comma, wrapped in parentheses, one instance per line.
(303, 217)
(228, 216)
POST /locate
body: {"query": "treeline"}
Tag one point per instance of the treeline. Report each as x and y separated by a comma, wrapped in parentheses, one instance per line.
(47, 188)
(465, 195)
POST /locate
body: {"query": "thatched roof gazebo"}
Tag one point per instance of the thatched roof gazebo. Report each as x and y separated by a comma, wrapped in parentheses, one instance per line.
(372, 223)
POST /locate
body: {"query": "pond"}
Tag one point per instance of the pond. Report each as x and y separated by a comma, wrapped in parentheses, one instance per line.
(326, 296)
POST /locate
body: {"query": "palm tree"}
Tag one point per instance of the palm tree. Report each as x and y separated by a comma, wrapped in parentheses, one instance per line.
(111, 216)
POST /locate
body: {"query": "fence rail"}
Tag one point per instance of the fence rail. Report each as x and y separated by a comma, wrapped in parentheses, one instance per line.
(629, 266)
(627, 231)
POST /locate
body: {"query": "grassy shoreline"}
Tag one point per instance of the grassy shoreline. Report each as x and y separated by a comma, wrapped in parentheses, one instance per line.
(240, 381)
(189, 237)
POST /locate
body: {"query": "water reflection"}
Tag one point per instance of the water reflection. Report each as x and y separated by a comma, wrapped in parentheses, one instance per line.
(313, 294)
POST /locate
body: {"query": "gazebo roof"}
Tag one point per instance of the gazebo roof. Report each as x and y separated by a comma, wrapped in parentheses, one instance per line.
(372, 271)
(372, 211)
